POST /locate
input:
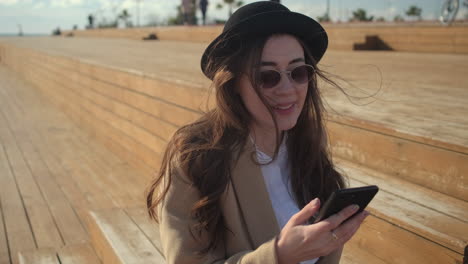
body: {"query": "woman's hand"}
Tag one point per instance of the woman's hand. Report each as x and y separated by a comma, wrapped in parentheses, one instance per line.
(298, 242)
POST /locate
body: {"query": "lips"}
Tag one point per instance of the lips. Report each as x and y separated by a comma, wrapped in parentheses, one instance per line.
(285, 109)
(284, 106)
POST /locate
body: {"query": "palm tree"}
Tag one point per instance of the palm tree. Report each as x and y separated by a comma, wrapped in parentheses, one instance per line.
(414, 11)
(361, 15)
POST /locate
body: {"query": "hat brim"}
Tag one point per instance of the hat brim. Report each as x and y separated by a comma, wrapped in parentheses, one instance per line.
(264, 24)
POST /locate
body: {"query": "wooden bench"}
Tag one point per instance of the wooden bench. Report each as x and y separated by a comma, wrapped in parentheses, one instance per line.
(75, 254)
(399, 230)
(125, 236)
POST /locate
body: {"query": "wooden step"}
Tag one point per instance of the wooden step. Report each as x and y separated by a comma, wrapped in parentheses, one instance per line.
(38, 256)
(409, 220)
(72, 254)
(118, 239)
(435, 165)
(353, 254)
(137, 219)
(391, 244)
(377, 242)
(124, 100)
(78, 254)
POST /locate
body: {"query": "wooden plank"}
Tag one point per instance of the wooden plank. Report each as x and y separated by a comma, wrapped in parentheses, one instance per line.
(41, 220)
(97, 196)
(121, 151)
(111, 175)
(105, 93)
(63, 177)
(86, 179)
(419, 219)
(38, 256)
(18, 230)
(78, 254)
(433, 167)
(352, 254)
(399, 246)
(140, 217)
(452, 207)
(114, 189)
(70, 186)
(60, 173)
(117, 239)
(108, 158)
(139, 134)
(121, 188)
(4, 250)
(85, 120)
(101, 121)
(70, 228)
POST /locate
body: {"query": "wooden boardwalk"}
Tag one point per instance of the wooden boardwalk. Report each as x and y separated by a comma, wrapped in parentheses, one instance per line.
(51, 174)
(131, 96)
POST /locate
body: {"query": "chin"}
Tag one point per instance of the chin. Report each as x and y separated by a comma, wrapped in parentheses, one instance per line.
(285, 125)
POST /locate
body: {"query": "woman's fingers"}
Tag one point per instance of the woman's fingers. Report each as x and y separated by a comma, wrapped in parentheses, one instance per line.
(307, 212)
(335, 220)
(345, 231)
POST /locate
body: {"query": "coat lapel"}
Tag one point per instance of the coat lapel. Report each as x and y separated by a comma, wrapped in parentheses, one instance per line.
(253, 198)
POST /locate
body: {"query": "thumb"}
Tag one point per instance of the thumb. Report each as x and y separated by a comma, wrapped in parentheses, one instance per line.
(307, 212)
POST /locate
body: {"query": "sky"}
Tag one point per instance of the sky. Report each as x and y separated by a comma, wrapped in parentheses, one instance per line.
(43, 16)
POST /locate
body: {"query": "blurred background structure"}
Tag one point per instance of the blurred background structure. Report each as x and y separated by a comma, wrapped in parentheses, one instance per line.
(43, 16)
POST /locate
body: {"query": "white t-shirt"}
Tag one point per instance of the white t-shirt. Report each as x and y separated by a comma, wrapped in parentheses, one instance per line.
(276, 175)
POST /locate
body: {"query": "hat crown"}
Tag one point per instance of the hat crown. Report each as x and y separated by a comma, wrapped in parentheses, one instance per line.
(251, 10)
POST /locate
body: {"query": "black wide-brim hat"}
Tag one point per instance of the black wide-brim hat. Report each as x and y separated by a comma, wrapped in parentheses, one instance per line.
(264, 18)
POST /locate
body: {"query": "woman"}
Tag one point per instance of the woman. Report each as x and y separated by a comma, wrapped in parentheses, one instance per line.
(241, 184)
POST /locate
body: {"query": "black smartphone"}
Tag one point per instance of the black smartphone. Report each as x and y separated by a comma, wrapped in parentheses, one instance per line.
(340, 199)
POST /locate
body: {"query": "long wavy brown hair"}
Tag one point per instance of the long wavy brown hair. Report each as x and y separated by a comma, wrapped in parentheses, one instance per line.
(205, 149)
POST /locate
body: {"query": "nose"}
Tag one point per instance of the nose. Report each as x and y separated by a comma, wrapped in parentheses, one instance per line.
(286, 84)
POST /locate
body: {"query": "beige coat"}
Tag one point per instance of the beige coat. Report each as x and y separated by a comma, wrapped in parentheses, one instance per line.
(247, 211)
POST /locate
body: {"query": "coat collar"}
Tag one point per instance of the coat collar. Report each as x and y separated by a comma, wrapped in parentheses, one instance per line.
(254, 200)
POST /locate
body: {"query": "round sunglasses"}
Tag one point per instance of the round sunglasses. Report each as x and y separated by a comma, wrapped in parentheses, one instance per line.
(299, 75)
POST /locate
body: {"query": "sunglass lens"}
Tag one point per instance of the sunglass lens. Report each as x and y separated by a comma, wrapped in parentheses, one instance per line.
(269, 79)
(302, 74)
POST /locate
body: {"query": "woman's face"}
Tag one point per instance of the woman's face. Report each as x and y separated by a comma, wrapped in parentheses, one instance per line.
(281, 53)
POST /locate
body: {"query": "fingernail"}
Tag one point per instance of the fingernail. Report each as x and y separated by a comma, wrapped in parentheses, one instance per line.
(314, 201)
(355, 207)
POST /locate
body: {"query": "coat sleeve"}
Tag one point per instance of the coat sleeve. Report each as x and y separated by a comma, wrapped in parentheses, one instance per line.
(179, 247)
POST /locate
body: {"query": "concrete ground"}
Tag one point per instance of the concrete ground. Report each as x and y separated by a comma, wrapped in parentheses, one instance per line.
(420, 94)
